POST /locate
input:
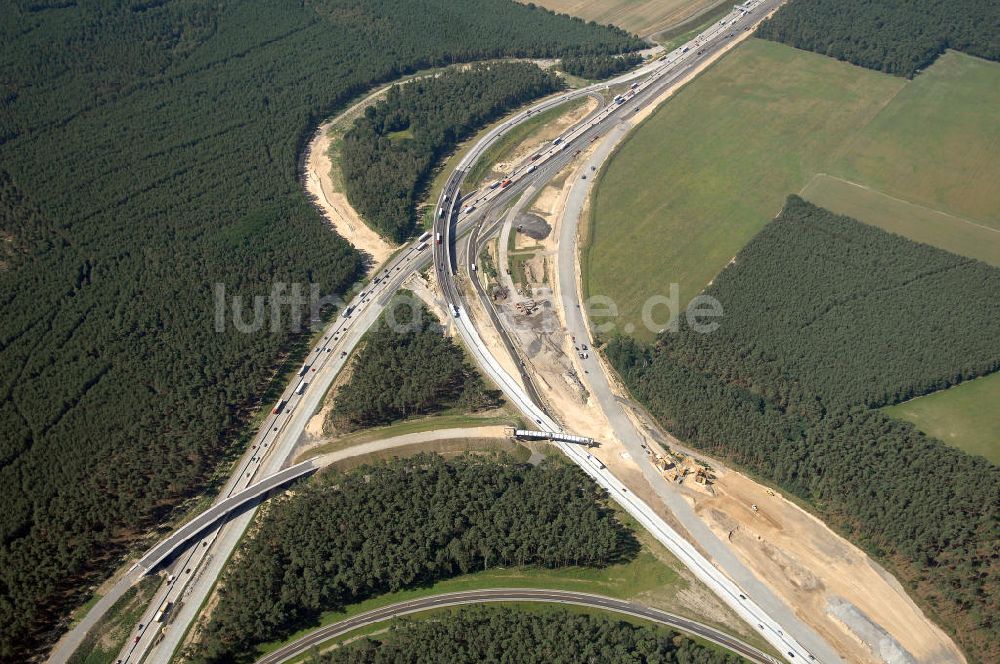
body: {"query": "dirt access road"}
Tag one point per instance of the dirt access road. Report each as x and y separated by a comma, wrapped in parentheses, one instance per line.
(332, 200)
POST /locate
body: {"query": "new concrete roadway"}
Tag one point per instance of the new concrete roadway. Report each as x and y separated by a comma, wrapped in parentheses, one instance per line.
(444, 600)
(598, 385)
(774, 619)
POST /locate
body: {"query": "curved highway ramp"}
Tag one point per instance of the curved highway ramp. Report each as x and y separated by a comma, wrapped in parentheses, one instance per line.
(313, 639)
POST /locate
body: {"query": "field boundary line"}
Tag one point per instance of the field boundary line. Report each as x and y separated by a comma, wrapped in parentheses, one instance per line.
(895, 198)
(840, 152)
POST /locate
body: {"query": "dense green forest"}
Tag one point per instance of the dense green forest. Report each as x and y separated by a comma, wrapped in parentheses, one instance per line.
(820, 305)
(597, 67)
(895, 36)
(388, 154)
(407, 368)
(148, 152)
(400, 524)
(808, 343)
(498, 634)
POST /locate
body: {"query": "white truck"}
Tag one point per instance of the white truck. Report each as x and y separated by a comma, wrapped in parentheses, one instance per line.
(162, 613)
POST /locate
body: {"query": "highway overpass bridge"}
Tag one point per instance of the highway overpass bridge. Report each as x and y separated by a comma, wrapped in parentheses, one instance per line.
(218, 512)
(527, 434)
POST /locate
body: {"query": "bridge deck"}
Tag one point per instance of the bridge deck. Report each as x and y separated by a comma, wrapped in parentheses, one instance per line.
(180, 537)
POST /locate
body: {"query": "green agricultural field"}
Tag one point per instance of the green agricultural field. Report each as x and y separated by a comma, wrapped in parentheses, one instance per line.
(704, 174)
(708, 170)
(965, 416)
(937, 143)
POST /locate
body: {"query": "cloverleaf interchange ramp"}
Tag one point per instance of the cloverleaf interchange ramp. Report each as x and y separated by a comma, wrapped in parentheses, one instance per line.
(197, 567)
(445, 600)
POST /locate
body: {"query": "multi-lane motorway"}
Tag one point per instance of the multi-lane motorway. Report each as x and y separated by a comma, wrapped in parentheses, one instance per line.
(539, 168)
(444, 600)
(191, 574)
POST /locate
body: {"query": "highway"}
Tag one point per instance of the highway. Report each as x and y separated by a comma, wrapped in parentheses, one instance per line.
(191, 574)
(542, 165)
(375, 616)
